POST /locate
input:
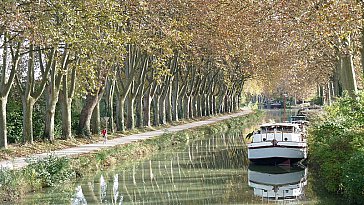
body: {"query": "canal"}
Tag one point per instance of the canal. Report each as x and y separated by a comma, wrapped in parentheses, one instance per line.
(213, 170)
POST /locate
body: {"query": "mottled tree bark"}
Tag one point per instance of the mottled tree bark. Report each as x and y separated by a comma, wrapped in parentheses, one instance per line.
(110, 104)
(92, 99)
(130, 111)
(5, 86)
(147, 100)
(156, 120)
(95, 118)
(66, 97)
(3, 130)
(28, 105)
(30, 95)
(52, 93)
(348, 74)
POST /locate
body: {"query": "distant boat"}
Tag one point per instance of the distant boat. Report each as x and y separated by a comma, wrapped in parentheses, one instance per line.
(278, 143)
(273, 105)
(310, 111)
(301, 121)
(276, 183)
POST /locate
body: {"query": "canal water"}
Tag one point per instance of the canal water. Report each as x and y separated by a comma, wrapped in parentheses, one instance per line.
(214, 170)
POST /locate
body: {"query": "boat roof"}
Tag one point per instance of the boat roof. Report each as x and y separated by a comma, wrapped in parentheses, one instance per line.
(298, 116)
(281, 124)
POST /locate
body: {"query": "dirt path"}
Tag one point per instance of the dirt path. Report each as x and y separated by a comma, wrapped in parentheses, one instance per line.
(20, 162)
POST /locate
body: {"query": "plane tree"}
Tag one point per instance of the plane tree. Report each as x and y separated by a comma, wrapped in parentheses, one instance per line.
(10, 48)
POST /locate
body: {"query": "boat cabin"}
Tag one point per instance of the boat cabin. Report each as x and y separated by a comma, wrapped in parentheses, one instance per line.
(298, 118)
(278, 131)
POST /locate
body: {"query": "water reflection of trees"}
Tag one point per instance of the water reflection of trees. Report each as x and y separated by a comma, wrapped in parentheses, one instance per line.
(99, 191)
(208, 171)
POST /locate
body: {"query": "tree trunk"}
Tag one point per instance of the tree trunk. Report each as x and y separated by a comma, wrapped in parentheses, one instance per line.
(213, 105)
(168, 105)
(237, 102)
(52, 94)
(207, 105)
(130, 112)
(162, 110)
(86, 113)
(96, 124)
(203, 105)
(66, 97)
(192, 105)
(348, 74)
(156, 120)
(139, 111)
(30, 95)
(362, 39)
(329, 93)
(6, 83)
(110, 105)
(50, 113)
(66, 105)
(174, 105)
(226, 104)
(28, 105)
(180, 106)
(146, 110)
(3, 129)
(186, 107)
(120, 114)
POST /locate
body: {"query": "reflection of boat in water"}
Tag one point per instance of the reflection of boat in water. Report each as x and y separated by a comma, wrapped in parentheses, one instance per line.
(277, 143)
(277, 183)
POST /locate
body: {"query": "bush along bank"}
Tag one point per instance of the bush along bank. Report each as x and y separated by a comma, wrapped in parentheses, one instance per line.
(336, 153)
(54, 171)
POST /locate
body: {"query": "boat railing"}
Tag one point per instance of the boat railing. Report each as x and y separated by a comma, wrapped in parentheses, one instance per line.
(278, 136)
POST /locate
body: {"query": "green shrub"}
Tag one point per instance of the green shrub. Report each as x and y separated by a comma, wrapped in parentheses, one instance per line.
(14, 121)
(353, 178)
(51, 170)
(11, 185)
(335, 138)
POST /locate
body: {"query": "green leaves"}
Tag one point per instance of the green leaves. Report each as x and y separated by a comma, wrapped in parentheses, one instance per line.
(336, 147)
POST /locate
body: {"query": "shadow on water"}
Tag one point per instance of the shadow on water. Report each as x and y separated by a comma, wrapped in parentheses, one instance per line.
(214, 170)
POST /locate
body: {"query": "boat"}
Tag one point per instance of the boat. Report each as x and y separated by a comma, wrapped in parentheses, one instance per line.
(277, 183)
(301, 121)
(278, 143)
(273, 105)
(309, 112)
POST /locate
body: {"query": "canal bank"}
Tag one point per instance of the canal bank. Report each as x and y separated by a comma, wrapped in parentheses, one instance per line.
(55, 169)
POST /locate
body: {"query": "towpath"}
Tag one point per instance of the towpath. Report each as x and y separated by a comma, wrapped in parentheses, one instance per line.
(20, 162)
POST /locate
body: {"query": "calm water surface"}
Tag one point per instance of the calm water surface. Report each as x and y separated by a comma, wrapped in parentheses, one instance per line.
(214, 170)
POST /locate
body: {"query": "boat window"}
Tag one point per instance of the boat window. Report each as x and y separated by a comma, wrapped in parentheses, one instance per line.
(279, 129)
(262, 130)
(297, 130)
(265, 130)
(288, 129)
(270, 129)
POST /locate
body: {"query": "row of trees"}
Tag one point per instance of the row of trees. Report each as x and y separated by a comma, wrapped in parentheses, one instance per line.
(138, 54)
(317, 48)
(158, 61)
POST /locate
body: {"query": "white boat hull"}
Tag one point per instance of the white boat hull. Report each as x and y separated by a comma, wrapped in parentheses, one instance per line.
(277, 154)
